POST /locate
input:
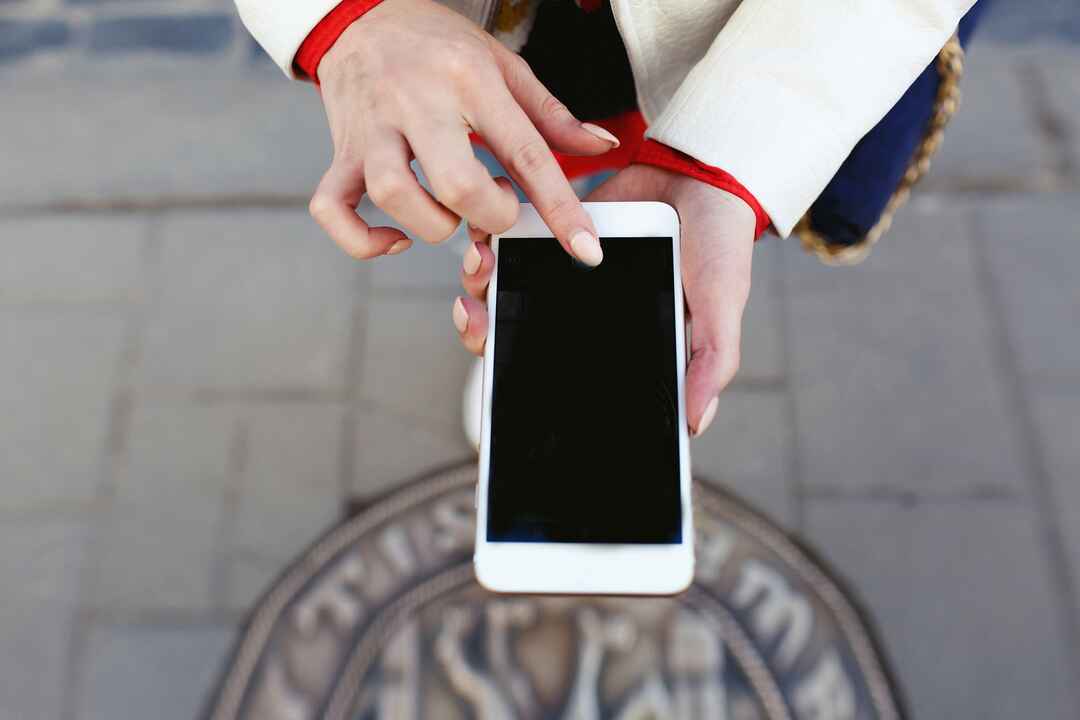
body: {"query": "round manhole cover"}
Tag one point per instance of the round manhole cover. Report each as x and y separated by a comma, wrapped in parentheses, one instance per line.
(383, 618)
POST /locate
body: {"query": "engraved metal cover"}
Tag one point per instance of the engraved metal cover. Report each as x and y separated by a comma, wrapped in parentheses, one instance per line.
(383, 618)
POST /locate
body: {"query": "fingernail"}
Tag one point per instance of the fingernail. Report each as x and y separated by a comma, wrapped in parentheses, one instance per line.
(400, 246)
(472, 260)
(461, 316)
(586, 247)
(707, 417)
(601, 133)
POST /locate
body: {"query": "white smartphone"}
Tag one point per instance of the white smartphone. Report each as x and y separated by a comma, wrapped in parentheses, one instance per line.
(584, 480)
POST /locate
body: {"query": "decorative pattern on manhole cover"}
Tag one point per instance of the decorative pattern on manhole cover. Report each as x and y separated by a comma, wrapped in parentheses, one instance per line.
(383, 618)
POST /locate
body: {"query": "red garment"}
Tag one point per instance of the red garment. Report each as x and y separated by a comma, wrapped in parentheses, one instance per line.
(628, 127)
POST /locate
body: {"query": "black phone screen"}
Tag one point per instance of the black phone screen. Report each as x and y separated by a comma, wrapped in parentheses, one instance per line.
(584, 414)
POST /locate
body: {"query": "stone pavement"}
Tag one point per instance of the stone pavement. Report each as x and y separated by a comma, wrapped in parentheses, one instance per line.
(197, 382)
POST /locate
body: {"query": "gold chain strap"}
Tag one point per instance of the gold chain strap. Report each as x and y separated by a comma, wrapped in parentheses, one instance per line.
(950, 66)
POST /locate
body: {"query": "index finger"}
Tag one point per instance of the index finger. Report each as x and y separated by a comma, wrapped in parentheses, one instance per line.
(521, 149)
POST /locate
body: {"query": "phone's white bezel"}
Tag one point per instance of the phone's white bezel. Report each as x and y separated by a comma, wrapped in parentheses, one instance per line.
(570, 568)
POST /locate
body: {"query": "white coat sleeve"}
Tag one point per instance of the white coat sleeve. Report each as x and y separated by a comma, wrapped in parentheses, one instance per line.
(788, 87)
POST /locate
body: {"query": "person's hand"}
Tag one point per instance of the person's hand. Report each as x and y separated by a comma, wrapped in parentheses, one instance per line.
(717, 247)
(412, 78)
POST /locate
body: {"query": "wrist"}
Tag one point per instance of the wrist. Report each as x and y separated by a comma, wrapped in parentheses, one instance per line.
(324, 37)
(657, 154)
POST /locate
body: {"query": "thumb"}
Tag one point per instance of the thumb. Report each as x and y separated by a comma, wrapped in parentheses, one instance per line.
(563, 132)
(716, 294)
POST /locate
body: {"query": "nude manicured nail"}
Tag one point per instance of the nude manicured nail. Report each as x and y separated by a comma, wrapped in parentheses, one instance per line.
(586, 247)
(472, 260)
(601, 133)
(707, 417)
(400, 246)
(461, 316)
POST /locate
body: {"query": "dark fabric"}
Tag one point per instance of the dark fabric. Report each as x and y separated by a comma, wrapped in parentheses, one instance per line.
(853, 201)
(581, 59)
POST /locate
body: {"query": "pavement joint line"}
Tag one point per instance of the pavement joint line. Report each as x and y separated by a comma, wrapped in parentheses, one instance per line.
(224, 202)
(160, 618)
(115, 441)
(1054, 131)
(796, 471)
(1032, 453)
(914, 498)
(236, 467)
(354, 369)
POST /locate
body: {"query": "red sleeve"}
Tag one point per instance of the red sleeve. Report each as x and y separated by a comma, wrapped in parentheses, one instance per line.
(326, 33)
(660, 155)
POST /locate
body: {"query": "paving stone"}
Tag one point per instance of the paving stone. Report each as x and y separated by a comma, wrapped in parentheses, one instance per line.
(961, 595)
(71, 258)
(217, 130)
(59, 367)
(762, 342)
(290, 490)
(164, 673)
(1032, 245)
(186, 33)
(1031, 21)
(255, 300)
(423, 268)
(1057, 416)
(896, 384)
(19, 38)
(160, 540)
(993, 141)
(413, 363)
(391, 450)
(39, 561)
(1060, 70)
(249, 578)
(748, 449)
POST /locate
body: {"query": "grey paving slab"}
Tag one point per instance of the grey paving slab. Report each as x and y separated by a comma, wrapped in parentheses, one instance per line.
(249, 577)
(423, 269)
(39, 561)
(993, 141)
(413, 364)
(1057, 417)
(59, 367)
(71, 258)
(290, 488)
(1033, 246)
(200, 33)
(748, 450)
(961, 594)
(896, 385)
(159, 541)
(249, 299)
(391, 450)
(1060, 69)
(216, 130)
(135, 671)
(762, 357)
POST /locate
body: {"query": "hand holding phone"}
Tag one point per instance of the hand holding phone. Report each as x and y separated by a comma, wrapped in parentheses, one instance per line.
(584, 480)
(717, 249)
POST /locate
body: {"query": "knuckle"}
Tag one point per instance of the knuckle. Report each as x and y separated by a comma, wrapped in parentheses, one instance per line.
(320, 207)
(348, 159)
(462, 58)
(530, 157)
(387, 188)
(553, 109)
(458, 190)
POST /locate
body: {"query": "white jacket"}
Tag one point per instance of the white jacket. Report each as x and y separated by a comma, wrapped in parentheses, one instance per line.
(775, 92)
